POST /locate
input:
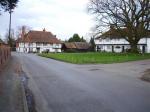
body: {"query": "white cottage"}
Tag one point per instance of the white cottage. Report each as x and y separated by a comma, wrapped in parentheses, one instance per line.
(116, 44)
(38, 41)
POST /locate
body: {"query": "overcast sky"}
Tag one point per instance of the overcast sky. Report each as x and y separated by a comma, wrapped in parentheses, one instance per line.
(62, 17)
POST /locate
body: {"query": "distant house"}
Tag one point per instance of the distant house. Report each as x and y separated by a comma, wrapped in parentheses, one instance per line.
(38, 41)
(75, 47)
(111, 41)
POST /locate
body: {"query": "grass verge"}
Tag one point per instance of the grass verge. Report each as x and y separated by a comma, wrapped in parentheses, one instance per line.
(90, 57)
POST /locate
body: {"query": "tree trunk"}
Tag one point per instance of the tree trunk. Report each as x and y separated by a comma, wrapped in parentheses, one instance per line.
(9, 23)
(9, 36)
(134, 48)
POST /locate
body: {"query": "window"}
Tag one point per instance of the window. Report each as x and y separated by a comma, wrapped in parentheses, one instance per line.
(45, 44)
(108, 47)
(57, 45)
(107, 39)
(21, 44)
(117, 47)
(31, 44)
(38, 44)
(100, 40)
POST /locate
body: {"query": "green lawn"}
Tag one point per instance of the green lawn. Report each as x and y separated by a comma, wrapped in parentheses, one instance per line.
(87, 58)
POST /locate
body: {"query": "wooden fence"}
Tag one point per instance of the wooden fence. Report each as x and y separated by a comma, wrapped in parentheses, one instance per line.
(4, 55)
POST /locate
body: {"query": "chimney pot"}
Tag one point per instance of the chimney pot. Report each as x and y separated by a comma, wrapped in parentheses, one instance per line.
(44, 30)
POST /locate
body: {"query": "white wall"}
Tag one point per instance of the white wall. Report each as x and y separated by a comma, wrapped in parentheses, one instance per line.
(106, 44)
(32, 47)
(111, 41)
(118, 41)
(148, 45)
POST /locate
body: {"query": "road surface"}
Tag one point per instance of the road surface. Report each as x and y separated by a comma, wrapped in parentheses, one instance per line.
(64, 87)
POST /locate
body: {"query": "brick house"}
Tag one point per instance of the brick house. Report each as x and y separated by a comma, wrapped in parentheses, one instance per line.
(38, 41)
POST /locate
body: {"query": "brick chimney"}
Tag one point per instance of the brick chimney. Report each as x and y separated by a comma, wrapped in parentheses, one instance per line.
(23, 31)
(44, 30)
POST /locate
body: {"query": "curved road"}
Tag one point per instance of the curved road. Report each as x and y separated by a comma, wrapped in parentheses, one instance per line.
(63, 87)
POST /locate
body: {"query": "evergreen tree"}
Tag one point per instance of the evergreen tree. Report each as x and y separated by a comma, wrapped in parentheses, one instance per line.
(10, 39)
(82, 39)
(92, 43)
(9, 6)
(76, 38)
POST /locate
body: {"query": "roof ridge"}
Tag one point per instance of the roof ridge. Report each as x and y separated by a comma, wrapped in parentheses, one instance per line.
(40, 31)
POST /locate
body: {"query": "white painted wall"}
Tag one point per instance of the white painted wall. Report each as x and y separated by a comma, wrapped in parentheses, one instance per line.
(102, 43)
(148, 45)
(27, 47)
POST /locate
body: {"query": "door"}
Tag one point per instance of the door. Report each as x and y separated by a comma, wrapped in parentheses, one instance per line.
(38, 49)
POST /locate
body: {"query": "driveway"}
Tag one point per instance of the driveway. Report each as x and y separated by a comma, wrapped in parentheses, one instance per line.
(64, 87)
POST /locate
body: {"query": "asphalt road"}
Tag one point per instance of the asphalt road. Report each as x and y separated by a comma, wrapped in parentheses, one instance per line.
(63, 87)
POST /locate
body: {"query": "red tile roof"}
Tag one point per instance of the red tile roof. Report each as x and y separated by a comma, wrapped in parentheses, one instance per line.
(114, 33)
(82, 45)
(70, 45)
(77, 45)
(39, 37)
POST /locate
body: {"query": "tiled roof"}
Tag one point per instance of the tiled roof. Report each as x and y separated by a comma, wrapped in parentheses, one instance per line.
(70, 45)
(77, 45)
(82, 45)
(39, 37)
(114, 33)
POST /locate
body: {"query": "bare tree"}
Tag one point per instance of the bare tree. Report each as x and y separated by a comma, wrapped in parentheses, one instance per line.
(130, 18)
(22, 30)
(10, 39)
